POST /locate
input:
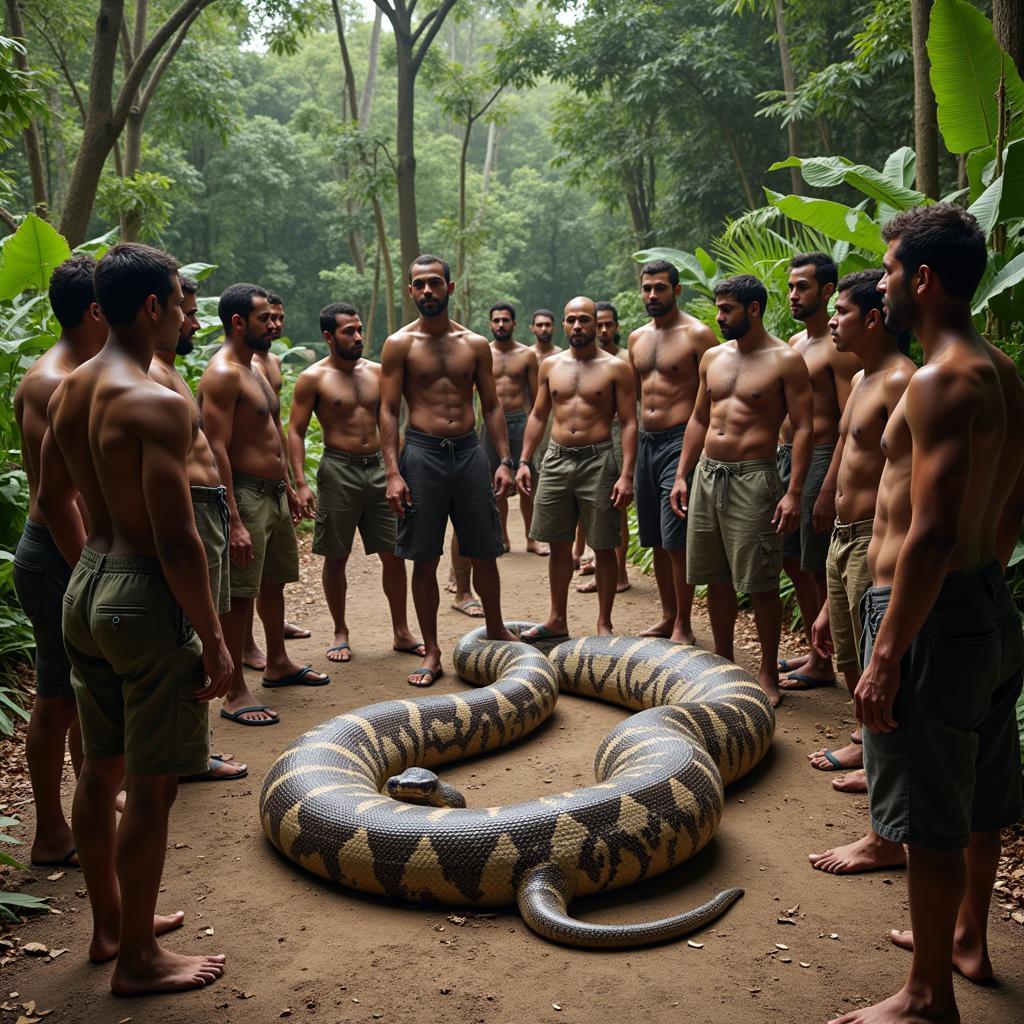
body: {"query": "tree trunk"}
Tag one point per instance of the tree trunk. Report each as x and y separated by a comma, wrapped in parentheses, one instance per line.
(926, 125)
(366, 100)
(384, 253)
(490, 156)
(30, 135)
(789, 87)
(371, 313)
(405, 167)
(1008, 21)
(460, 262)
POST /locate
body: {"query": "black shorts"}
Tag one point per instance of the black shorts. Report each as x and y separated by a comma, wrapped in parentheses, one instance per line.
(449, 479)
(40, 578)
(515, 425)
(952, 765)
(656, 463)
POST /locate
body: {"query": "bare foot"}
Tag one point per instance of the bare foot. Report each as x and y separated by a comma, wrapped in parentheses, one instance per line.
(971, 961)
(850, 756)
(903, 1008)
(663, 629)
(166, 972)
(869, 853)
(103, 949)
(293, 632)
(681, 636)
(534, 547)
(587, 567)
(605, 629)
(470, 606)
(768, 680)
(590, 587)
(253, 657)
(852, 782)
(451, 586)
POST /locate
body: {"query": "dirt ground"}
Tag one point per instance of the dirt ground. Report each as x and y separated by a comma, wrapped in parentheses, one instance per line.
(298, 947)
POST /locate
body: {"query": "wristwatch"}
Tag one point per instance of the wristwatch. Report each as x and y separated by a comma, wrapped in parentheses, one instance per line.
(527, 463)
(509, 464)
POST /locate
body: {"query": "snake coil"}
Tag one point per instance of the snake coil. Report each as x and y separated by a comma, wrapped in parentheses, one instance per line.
(701, 723)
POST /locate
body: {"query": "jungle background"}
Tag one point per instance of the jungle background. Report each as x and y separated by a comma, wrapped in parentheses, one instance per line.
(316, 146)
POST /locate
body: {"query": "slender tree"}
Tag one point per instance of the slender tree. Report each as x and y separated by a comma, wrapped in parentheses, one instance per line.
(1008, 21)
(926, 125)
(29, 134)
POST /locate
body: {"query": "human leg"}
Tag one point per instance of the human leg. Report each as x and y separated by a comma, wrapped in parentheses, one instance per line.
(560, 570)
(722, 611)
(425, 599)
(488, 586)
(233, 624)
(666, 594)
(682, 628)
(768, 620)
(335, 584)
(606, 573)
(45, 739)
(462, 569)
(396, 590)
(253, 656)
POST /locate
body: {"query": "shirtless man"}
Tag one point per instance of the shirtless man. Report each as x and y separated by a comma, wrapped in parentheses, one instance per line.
(943, 645)
(515, 377)
(139, 625)
(343, 390)
(812, 281)
(665, 355)
(848, 498)
(40, 572)
(582, 389)
(209, 504)
(737, 508)
(608, 338)
(434, 363)
(241, 417)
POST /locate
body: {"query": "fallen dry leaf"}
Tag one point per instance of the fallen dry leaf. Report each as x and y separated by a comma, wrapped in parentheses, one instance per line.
(55, 876)
(695, 945)
(35, 949)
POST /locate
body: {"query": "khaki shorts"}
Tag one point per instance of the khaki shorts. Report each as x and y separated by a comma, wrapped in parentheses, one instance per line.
(263, 508)
(136, 664)
(729, 533)
(805, 542)
(577, 486)
(542, 449)
(351, 493)
(846, 570)
(210, 505)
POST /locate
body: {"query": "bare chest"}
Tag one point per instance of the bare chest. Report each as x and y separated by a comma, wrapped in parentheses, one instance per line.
(867, 417)
(344, 394)
(568, 381)
(664, 356)
(256, 397)
(897, 442)
(431, 363)
(749, 381)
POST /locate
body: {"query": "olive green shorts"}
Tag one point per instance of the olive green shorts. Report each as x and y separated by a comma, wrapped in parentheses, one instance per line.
(210, 506)
(351, 493)
(576, 485)
(846, 570)
(729, 532)
(136, 664)
(805, 542)
(263, 508)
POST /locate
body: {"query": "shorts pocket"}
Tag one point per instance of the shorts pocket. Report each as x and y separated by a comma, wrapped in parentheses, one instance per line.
(769, 547)
(773, 485)
(964, 672)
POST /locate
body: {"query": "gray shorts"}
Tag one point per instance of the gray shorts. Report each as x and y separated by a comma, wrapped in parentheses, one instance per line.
(449, 479)
(210, 506)
(40, 579)
(656, 463)
(952, 765)
(515, 424)
(805, 542)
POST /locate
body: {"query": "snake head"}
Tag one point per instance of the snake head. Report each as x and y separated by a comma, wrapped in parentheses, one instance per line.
(414, 786)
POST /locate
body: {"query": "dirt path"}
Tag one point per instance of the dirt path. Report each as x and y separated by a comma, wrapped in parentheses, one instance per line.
(328, 955)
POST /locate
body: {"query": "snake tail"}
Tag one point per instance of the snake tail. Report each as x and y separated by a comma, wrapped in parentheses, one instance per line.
(546, 891)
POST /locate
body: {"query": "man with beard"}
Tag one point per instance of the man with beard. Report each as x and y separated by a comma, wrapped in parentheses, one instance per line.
(582, 389)
(343, 390)
(209, 504)
(542, 327)
(241, 416)
(665, 355)
(434, 363)
(737, 508)
(943, 646)
(848, 498)
(812, 281)
(41, 572)
(608, 339)
(515, 377)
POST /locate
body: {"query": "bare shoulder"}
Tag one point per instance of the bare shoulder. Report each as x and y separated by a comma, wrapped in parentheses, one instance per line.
(699, 333)
(717, 352)
(221, 378)
(155, 411)
(397, 345)
(477, 342)
(796, 339)
(638, 335)
(40, 381)
(897, 376)
(370, 366)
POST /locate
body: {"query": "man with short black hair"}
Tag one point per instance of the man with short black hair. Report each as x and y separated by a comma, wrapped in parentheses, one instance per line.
(241, 415)
(737, 507)
(41, 573)
(943, 647)
(139, 623)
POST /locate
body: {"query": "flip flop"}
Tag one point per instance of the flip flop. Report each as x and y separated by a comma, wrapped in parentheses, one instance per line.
(542, 633)
(431, 675)
(810, 683)
(296, 633)
(475, 603)
(413, 649)
(784, 665)
(208, 775)
(339, 661)
(832, 760)
(64, 862)
(299, 678)
(235, 716)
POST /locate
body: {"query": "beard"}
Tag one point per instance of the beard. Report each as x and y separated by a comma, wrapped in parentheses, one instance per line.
(543, 337)
(500, 334)
(657, 308)
(581, 340)
(432, 307)
(185, 344)
(259, 342)
(898, 310)
(732, 331)
(803, 313)
(350, 355)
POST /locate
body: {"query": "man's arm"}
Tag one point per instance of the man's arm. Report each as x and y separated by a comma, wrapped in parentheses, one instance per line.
(57, 499)
(796, 384)
(693, 439)
(392, 383)
(625, 406)
(534, 431)
(164, 429)
(940, 413)
(218, 396)
(493, 415)
(303, 400)
(845, 367)
(532, 373)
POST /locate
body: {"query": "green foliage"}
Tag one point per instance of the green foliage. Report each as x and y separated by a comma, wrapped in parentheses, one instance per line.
(141, 198)
(11, 903)
(29, 257)
(10, 705)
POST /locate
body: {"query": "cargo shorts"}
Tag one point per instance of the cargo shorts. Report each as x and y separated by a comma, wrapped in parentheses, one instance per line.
(846, 572)
(351, 493)
(263, 508)
(805, 542)
(210, 505)
(656, 463)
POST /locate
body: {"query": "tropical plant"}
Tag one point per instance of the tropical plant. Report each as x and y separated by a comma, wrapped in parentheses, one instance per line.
(12, 902)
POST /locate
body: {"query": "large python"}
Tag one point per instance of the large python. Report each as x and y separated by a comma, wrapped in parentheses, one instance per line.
(703, 722)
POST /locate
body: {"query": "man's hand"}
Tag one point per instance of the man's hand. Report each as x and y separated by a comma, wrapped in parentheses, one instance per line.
(399, 497)
(787, 514)
(239, 545)
(502, 481)
(679, 497)
(219, 668)
(823, 514)
(875, 693)
(524, 481)
(307, 501)
(622, 492)
(293, 505)
(821, 634)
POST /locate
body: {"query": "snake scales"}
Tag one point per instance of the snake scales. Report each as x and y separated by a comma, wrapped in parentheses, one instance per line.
(702, 723)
